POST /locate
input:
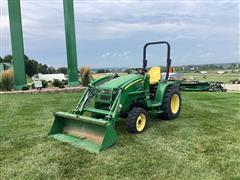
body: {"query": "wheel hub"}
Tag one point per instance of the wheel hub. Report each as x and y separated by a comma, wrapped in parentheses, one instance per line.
(175, 103)
(141, 122)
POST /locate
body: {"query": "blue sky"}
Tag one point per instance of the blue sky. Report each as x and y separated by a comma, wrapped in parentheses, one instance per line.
(112, 33)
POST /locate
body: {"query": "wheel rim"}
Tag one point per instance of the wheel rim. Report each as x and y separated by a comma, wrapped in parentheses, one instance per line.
(141, 122)
(175, 103)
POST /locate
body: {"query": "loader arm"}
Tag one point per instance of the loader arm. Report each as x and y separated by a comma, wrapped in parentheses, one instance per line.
(91, 128)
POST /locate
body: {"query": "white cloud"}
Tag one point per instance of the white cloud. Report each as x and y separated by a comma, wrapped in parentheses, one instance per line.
(199, 45)
(129, 22)
(121, 19)
(105, 55)
(112, 55)
(208, 54)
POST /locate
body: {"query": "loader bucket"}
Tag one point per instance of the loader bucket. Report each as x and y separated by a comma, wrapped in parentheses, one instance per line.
(84, 132)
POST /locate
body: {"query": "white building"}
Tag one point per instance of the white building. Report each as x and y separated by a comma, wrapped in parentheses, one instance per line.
(203, 72)
(220, 72)
(49, 77)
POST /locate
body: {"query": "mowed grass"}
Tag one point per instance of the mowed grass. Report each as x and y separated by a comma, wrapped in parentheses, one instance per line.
(203, 143)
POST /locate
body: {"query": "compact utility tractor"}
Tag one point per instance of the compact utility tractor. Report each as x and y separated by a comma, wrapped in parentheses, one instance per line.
(91, 124)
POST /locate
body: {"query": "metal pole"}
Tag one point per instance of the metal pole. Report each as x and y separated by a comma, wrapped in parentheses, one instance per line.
(14, 9)
(70, 42)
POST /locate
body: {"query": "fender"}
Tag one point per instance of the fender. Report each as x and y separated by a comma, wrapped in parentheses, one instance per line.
(161, 89)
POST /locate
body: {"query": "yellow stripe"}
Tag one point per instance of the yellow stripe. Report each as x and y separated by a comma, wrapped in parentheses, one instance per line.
(132, 83)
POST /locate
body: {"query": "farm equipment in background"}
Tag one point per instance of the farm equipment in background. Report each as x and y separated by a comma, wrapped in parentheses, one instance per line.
(216, 86)
(91, 124)
(194, 86)
(201, 86)
(235, 81)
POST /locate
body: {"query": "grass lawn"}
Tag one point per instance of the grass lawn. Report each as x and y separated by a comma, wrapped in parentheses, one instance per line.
(204, 143)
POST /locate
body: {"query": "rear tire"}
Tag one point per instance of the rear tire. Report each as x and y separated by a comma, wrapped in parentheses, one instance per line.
(171, 103)
(137, 120)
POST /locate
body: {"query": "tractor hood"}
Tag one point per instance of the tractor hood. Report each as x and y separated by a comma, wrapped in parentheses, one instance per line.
(119, 81)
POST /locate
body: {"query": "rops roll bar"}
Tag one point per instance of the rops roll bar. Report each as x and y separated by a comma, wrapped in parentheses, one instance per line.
(168, 55)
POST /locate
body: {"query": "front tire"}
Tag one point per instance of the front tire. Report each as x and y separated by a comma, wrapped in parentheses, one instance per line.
(171, 103)
(137, 120)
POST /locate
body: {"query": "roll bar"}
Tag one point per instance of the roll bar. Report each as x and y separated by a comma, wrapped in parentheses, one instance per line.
(168, 55)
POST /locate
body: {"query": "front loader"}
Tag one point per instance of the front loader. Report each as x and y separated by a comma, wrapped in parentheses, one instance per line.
(91, 125)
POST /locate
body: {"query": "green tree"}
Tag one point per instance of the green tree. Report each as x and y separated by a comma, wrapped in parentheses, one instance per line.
(8, 59)
(100, 71)
(25, 57)
(31, 67)
(103, 71)
(62, 70)
(45, 69)
(40, 68)
(51, 70)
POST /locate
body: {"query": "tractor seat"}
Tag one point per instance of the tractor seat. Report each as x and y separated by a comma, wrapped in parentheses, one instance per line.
(154, 75)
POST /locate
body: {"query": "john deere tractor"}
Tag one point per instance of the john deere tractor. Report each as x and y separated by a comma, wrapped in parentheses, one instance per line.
(91, 125)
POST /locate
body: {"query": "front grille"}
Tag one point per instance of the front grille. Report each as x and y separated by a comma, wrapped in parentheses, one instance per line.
(103, 95)
(104, 91)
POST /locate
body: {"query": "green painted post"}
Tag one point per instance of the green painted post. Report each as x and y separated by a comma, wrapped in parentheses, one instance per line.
(14, 9)
(70, 43)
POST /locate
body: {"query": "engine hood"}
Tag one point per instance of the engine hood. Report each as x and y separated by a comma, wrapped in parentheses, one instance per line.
(119, 81)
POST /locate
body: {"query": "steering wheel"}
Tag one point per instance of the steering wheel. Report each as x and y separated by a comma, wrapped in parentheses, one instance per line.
(140, 70)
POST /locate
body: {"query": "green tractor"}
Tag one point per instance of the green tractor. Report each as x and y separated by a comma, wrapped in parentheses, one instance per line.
(91, 124)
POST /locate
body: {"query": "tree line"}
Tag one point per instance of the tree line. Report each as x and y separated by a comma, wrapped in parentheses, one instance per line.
(32, 66)
(206, 67)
